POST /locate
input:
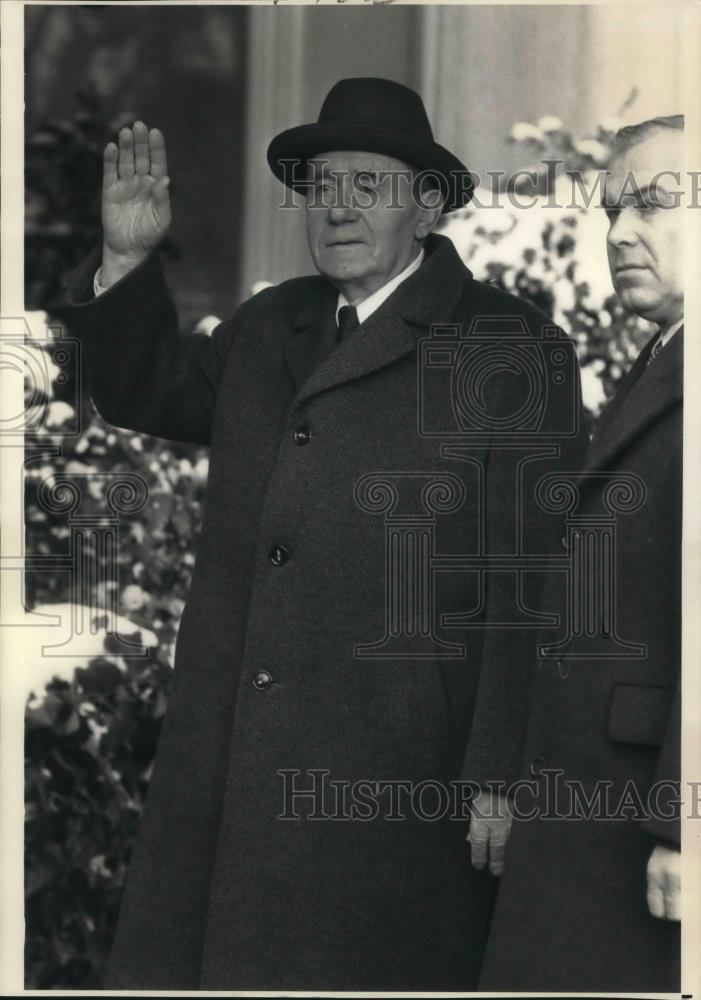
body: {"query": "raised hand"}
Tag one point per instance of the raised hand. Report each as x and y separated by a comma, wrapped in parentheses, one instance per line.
(135, 200)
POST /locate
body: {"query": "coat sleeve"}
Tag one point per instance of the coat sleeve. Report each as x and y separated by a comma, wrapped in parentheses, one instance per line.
(665, 824)
(494, 754)
(141, 373)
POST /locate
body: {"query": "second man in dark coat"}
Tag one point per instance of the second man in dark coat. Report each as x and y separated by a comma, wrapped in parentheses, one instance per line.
(590, 896)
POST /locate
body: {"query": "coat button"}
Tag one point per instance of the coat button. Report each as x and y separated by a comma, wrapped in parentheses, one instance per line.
(278, 555)
(301, 435)
(262, 680)
(536, 766)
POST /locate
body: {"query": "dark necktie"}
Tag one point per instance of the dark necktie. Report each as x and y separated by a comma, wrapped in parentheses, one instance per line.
(347, 321)
(655, 350)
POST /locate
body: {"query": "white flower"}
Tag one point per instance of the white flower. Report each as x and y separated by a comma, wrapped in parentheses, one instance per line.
(476, 231)
(509, 278)
(42, 472)
(74, 468)
(98, 867)
(594, 149)
(96, 489)
(610, 124)
(593, 395)
(40, 369)
(59, 413)
(37, 321)
(96, 728)
(134, 597)
(169, 651)
(536, 271)
(550, 123)
(563, 291)
(207, 325)
(525, 132)
(176, 606)
(200, 470)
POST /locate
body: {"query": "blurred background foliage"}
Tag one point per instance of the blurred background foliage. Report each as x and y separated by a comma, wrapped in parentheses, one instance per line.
(125, 63)
(92, 726)
(63, 185)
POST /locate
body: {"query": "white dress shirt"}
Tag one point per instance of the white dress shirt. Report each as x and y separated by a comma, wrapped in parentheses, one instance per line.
(368, 306)
(668, 334)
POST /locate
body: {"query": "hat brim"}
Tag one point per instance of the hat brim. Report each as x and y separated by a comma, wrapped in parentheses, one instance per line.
(289, 151)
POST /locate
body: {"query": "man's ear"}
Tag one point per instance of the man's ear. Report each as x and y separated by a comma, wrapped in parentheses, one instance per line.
(429, 214)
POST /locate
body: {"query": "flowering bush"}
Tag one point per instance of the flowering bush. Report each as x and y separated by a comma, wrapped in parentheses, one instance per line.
(62, 197)
(91, 731)
(92, 719)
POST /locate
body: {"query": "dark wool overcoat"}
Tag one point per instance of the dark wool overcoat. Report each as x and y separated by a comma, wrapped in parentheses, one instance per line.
(337, 478)
(571, 912)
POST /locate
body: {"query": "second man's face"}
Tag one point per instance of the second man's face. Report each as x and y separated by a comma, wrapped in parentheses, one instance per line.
(363, 225)
(643, 204)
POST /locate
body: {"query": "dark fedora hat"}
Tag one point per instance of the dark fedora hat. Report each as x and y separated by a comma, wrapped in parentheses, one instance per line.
(375, 116)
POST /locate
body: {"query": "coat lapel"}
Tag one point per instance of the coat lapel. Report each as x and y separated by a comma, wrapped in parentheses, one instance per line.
(646, 393)
(429, 296)
(314, 333)
(609, 412)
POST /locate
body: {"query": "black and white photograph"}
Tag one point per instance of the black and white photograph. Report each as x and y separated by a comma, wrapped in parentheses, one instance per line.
(351, 559)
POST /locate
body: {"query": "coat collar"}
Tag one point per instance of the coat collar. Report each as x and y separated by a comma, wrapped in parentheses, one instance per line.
(645, 394)
(429, 296)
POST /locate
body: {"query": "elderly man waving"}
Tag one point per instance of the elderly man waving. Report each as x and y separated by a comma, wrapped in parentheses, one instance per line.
(342, 626)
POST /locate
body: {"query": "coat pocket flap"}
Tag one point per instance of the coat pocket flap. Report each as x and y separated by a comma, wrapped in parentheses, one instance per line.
(639, 713)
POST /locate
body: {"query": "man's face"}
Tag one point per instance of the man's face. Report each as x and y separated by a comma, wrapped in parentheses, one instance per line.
(645, 227)
(363, 225)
